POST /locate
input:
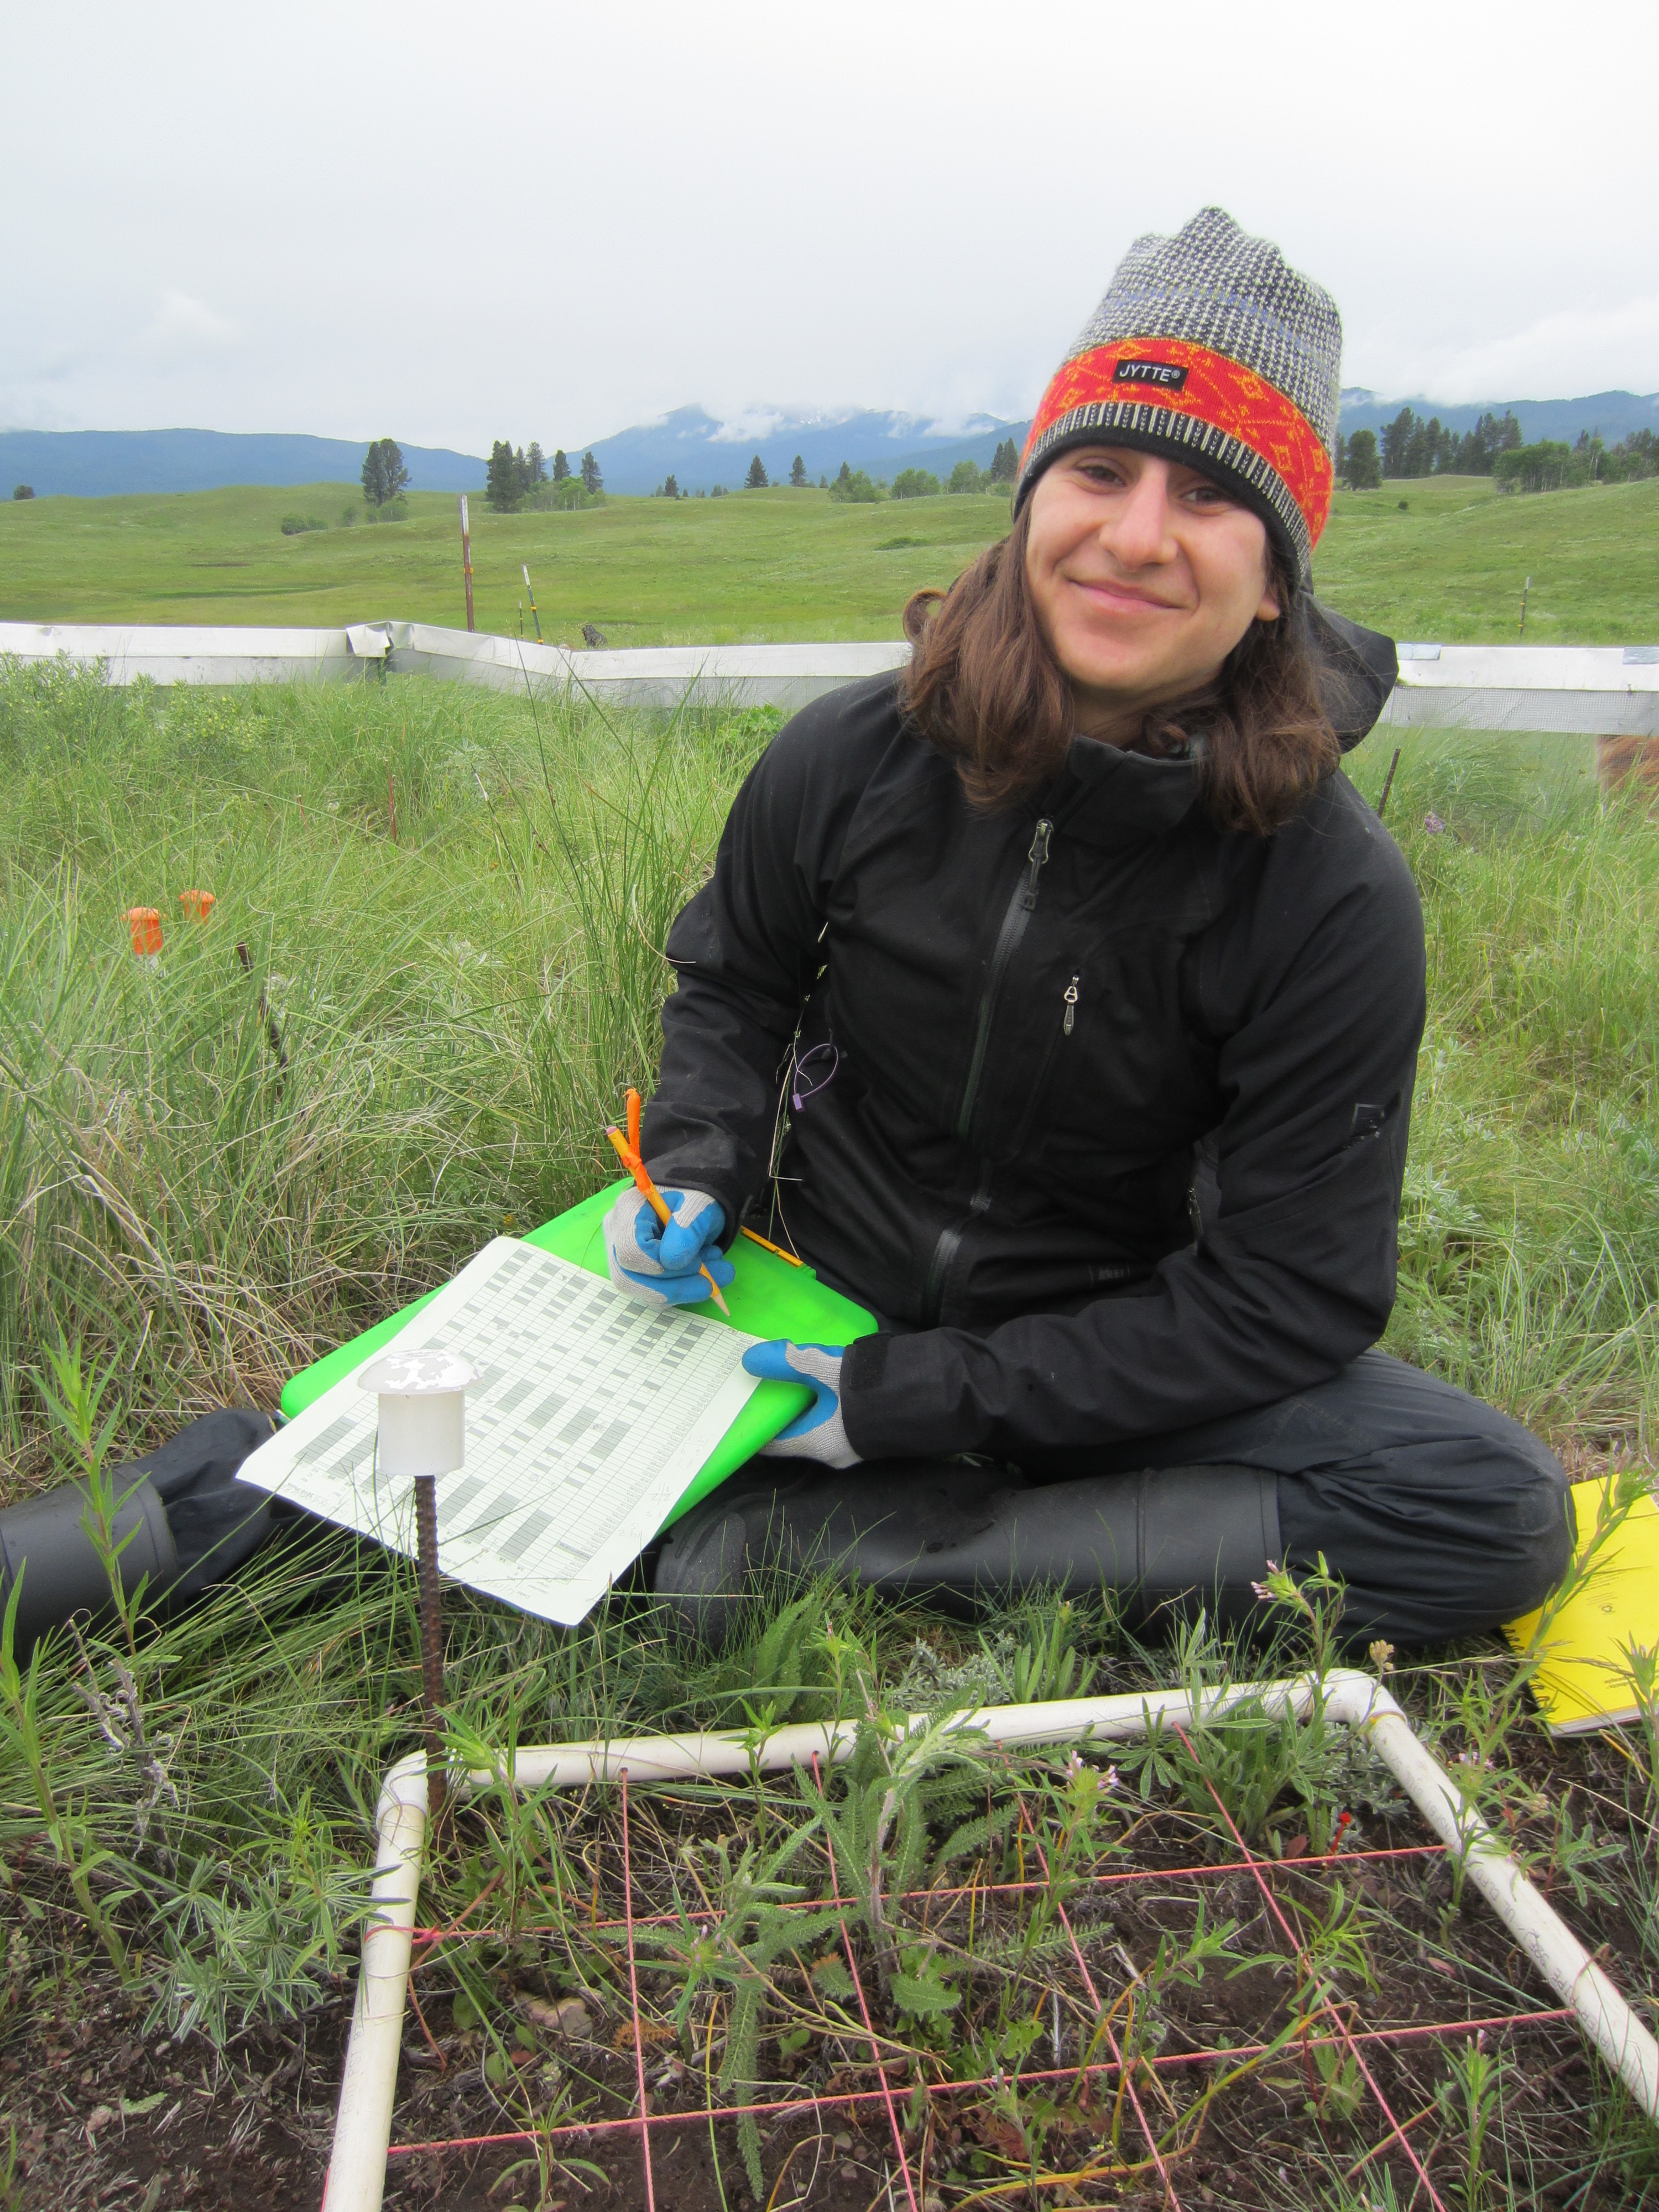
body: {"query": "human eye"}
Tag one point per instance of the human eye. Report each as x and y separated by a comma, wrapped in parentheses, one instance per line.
(1100, 468)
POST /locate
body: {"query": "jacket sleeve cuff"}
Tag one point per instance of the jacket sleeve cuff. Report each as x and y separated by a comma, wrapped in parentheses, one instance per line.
(902, 1397)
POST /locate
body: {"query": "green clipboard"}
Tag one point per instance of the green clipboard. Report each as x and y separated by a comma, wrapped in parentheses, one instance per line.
(767, 1297)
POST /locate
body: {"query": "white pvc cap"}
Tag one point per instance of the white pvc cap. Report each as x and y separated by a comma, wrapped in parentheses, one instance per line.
(417, 1374)
(422, 1398)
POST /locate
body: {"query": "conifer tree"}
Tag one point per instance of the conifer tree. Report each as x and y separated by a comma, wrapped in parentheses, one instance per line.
(503, 487)
(384, 474)
(757, 479)
(560, 466)
(536, 464)
(1396, 443)
(591, 480)
(1362, 470)
(797, 472)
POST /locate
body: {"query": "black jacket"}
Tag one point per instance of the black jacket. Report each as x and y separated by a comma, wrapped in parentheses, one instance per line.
(1059, 1028)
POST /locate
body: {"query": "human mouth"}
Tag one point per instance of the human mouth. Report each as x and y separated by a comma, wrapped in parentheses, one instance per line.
(1124, 598)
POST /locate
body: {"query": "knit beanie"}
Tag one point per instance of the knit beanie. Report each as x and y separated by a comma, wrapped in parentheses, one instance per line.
(1210, 349)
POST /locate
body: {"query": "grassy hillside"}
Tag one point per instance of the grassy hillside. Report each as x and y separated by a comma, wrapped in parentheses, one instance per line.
(1451, 563)
(784, 564)
(751, 567)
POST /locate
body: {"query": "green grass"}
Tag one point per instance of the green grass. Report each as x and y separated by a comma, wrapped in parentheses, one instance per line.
(753, 566)
(780, 564)
(461, 1007)
(1451, 568)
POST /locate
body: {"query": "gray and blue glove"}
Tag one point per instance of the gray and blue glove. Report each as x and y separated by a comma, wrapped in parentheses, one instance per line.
(659, 1263)
(819, 1433)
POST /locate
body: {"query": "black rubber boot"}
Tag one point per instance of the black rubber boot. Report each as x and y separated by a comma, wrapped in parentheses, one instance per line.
(860, 1522)
(964, 1536)
(192, 1525)
(65, 1574)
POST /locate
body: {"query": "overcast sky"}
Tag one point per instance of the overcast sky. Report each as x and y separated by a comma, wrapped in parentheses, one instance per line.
(453, 224)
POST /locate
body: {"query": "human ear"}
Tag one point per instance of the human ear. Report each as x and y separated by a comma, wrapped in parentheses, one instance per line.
(1269, 609)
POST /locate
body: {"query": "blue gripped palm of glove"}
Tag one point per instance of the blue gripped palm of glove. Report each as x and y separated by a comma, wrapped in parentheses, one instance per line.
(819, 1433)
(659, 1263)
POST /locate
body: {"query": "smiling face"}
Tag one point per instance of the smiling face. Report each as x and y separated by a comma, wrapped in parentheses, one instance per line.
(1144, 575)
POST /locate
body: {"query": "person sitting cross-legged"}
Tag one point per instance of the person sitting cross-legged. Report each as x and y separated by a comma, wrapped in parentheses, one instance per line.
(1100, 990)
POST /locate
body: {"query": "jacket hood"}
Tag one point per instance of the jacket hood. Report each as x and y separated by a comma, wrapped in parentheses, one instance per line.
(1358, 669)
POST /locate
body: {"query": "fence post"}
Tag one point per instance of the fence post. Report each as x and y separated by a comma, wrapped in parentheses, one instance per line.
(466, 561)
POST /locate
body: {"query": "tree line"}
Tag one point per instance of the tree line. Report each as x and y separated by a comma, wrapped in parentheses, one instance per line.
(857, 486)
(1551, 465)
(514, 476)
(1411, 446)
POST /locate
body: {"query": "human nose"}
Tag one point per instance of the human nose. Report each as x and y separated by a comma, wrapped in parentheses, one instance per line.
(1139, 535)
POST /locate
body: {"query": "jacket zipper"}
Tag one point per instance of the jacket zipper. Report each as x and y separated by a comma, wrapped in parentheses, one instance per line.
(945, 1252)
(1069, 999)
(1019, 913)
(1008, 939)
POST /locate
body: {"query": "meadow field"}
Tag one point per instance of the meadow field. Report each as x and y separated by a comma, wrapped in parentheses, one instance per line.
(1443, 558)
(453, 904)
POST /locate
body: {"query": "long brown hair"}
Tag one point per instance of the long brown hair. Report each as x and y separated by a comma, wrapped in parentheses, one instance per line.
(984, 688)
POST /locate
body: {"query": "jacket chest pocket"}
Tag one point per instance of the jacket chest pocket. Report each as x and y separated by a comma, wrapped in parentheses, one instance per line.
(1098, 1056)
(1053, 1035)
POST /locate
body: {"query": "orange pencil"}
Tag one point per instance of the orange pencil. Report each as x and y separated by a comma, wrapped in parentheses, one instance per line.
(767, 1244)
(634, 1122)
(654, 1199)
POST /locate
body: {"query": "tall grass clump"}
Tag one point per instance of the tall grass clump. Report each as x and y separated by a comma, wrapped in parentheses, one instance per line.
(452, 911)
(1531, 1232)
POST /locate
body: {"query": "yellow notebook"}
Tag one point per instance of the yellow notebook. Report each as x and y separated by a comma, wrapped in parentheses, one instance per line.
(1584, 1681)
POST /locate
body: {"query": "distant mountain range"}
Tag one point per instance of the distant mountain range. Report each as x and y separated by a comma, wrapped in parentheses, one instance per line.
(95, 464)
(698, 448)
(1614, 414)
(701, 452)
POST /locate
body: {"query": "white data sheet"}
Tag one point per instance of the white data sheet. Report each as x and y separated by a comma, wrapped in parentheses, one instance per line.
(591, 1416)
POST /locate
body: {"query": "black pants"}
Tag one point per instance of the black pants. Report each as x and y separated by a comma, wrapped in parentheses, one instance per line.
(1442, 1517)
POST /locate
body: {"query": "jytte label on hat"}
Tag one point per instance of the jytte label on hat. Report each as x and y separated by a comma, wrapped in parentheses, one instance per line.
(1164, 374)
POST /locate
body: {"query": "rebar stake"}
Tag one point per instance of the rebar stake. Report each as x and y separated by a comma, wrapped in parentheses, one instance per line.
(432, 1638)
(1388, 785)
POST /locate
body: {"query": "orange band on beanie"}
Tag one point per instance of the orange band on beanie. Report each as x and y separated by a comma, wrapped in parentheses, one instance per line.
(1212, 389)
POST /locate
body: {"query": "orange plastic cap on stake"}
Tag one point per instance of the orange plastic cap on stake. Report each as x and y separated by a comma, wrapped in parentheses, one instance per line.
(145, 923)
(198, 903)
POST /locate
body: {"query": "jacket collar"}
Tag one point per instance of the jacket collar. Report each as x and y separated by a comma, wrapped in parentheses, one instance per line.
(1111, 797)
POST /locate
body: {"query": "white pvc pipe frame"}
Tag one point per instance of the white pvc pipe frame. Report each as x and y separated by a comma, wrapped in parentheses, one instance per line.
(1594, 690)
(362, 2130)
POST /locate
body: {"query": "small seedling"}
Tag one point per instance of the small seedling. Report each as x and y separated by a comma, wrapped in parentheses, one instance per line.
(1342, 2086)
(1470, 2099)
(74, 1398)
